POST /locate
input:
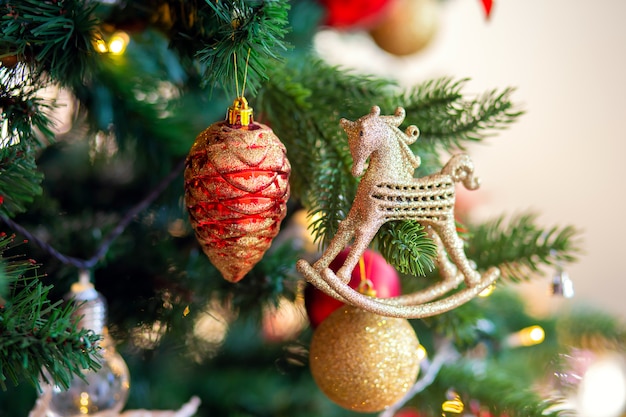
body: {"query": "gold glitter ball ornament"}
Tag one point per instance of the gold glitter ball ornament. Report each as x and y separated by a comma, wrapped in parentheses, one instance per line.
(236, 190)
(363, 361)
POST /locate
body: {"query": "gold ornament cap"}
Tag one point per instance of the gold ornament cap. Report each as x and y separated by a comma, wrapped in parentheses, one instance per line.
(240, 113)
(91, 309)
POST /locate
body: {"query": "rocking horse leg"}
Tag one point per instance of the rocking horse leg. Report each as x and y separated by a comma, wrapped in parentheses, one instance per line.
(363, 238)
(314, 277)
(337, 244)
(454, 247)
(448, 269)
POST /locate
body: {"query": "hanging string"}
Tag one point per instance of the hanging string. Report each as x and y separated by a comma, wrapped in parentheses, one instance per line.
(113, 234)
(245, 75)
(236, 75)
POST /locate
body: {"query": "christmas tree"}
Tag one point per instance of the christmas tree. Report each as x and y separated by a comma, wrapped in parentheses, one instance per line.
(102, 188)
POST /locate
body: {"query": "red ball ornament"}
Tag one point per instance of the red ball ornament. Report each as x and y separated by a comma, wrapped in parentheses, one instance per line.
(408, 412)
(236, 190)
(345, 14)
(384, 278)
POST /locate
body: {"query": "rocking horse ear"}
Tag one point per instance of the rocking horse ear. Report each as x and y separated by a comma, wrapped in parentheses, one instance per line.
(398, 116)
(397, 119)
(346, 124)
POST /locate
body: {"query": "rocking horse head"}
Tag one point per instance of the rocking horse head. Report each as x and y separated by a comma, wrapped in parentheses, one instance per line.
(368, 133)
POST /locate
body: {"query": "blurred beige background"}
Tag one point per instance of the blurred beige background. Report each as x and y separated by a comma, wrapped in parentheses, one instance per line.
(565, 158)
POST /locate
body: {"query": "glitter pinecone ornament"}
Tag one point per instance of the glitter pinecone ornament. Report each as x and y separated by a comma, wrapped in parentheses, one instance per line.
(236, 190)
(363, 361)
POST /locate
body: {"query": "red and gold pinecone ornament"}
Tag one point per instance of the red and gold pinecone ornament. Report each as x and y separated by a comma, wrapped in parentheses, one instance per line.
(236, 190)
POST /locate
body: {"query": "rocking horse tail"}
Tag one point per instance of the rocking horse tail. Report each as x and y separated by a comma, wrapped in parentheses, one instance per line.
(461, 169)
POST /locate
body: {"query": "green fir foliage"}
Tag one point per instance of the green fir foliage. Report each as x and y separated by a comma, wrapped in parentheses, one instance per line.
(519, 246)
(247, 40)
(139, 113)
(52, 37)
(491, 384)
(39, 336)
(19, 180)
(448, 119)
(24, 114)
(407, 247)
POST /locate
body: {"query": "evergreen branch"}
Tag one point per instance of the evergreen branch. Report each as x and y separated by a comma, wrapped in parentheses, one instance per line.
(52, 37)
(446, 118)
(591, 328)
(407, 247)
(247, 39)
(20, 181)
(433, 97)
(492, 386)
(322, 179)
(520, 247)
(113, 234)
(39, 338)
(23, 112)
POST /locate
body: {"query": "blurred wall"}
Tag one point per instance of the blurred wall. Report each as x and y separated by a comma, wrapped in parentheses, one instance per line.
(565, 158)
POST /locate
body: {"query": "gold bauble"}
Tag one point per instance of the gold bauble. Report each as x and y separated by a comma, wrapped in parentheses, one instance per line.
(407, 27)
(362, 361)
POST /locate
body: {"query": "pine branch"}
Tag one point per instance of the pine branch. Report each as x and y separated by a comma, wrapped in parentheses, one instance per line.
(296, 102)
(115, 232)
(53, 38)
(39, 337)
(447, 119)
(19, 180)
(406, 246)
(270, 280)
(492, 386)
(248, 39)
(520, 247)
(23, 112)
(591, 328)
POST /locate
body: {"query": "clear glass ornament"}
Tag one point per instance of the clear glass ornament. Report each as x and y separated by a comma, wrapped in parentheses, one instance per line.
(105, 389)
(102, 390)
(562, 285)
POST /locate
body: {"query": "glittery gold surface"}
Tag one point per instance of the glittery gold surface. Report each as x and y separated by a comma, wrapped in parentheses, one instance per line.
(236, 191)
(388, 191)
(363, 361)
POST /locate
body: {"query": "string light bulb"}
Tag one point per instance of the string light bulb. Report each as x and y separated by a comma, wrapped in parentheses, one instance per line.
(104, 390)
(528, 336)
(453, 404)
(100, 45)
(118, 43)
(487, 291)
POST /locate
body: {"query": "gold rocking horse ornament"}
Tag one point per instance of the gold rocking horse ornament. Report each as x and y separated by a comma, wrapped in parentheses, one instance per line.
(388, 191)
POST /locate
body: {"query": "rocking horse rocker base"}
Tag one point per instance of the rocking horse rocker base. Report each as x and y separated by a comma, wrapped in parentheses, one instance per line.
(389, 192)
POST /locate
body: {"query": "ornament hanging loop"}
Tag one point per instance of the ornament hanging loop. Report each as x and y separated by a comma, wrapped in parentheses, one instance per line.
(240, 113)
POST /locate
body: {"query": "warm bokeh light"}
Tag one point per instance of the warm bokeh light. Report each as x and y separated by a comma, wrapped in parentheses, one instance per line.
(101, 46)
(528, 336)
(421, 352)
(455, 405)
(285, 321)
(487, 291)
(602, 391)
(118, 43)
